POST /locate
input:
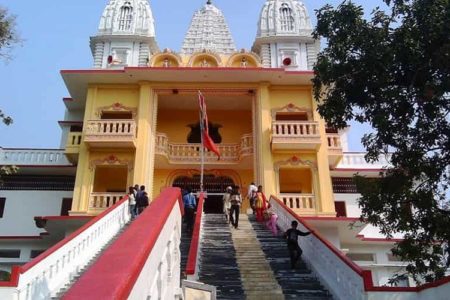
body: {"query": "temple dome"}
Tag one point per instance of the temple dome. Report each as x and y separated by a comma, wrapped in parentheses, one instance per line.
(284, 18)
(127, 17)
(208, 31)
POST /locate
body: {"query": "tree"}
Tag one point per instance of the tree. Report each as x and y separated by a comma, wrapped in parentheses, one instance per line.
(8, 38)
(392, 71)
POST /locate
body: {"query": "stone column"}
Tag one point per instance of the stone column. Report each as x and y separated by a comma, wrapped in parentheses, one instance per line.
(146, 127)
(83, 182)
(265, 167)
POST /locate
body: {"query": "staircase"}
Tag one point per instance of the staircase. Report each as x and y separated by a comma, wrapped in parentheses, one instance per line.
(257, 277)
(80, 272)
(218, 265)
(299, 283)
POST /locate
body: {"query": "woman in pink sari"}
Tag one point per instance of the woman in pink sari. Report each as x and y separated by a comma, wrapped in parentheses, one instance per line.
(260, 204)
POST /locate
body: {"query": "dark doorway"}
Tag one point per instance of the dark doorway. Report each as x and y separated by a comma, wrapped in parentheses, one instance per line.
(213, 204)
(214, 185)
(66, 205)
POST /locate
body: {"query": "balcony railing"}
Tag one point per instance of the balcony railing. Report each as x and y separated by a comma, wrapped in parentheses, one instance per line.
(188, 153)
(295, 135)
(357, 161)
(74, 139)
(334, 148)
(101, 201)
(33, 157)
(299, 203)
(119, 133)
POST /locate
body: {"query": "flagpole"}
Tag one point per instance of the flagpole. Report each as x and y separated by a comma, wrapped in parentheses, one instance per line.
(202, 154)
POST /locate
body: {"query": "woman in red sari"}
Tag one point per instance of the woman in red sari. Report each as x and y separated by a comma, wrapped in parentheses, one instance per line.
(260, 204)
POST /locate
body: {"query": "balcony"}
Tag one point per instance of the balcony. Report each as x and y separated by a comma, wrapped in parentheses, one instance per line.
(357, 161)
(295, 135)
(301, 204)
(73, 146)
(33, 157)
(111, 133)
(335, 152)
(190, 153)
(98, 202)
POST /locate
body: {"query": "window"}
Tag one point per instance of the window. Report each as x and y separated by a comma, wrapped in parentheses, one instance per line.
(36, 253)
(286, 20)
(341, 211)
(2, 206)
(392, 257)
(7, 253)
(126, 16)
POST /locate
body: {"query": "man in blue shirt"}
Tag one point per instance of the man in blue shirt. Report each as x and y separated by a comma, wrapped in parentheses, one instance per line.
(189, 209)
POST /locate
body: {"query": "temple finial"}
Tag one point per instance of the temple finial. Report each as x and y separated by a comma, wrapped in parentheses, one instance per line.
(209, 2)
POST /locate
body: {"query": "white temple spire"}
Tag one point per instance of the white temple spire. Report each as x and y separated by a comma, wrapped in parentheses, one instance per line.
(208, 31)
(284, 38)
(126, 35)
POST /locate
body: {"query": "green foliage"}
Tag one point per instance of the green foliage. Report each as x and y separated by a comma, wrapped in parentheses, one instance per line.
(8, 33)
(5, 276)
(392, 72)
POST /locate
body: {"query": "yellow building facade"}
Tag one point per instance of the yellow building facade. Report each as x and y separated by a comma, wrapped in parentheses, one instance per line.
(140, 120)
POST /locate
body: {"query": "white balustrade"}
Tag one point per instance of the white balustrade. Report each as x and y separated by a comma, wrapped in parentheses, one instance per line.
(334, 141)
(295, 129)
(74, 139)
(192, 152)
(335, 273)
(358, 161)
(102, 201)
(43, 279)
(299, 202)
(111, 128)
(33, 157)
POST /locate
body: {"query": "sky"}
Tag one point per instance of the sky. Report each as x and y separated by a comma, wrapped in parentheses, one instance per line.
(55, 36)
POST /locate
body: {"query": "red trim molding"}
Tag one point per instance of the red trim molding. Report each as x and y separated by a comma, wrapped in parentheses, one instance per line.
(343, 219)
(195, 241)
(114, 274)
(16, 271)
(386, 240)
(18, 237)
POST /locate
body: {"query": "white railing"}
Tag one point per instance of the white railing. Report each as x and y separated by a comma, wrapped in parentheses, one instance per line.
(108, 129)
(358, 161)
(144, 261)
(33, 157)
(74, 139)
(102, 201)
(299, 202)
(295, 129)
(43, 277)
(334, 141)
(338, 276)
(191, 152)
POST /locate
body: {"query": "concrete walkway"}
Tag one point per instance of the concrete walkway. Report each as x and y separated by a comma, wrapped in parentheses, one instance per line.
(257, 277)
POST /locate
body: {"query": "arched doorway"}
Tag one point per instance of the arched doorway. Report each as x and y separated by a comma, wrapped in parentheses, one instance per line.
(214, 185)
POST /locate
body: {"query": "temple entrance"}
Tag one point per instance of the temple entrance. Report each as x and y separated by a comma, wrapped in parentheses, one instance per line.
(214, 185)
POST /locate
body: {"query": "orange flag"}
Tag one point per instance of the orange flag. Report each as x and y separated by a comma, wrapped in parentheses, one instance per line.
(208, 143)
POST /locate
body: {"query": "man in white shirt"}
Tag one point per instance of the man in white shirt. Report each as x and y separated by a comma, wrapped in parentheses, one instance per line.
(251, 195)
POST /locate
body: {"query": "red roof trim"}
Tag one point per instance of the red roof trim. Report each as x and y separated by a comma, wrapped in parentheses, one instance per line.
(387, 240)
(343, 219)
(45, 166)
(121, 264)
(50, 251)
(358, 170)
(195, 241)
(63, 218)
(68, 99)
(221, 69)
(40, 149)
(21, 237)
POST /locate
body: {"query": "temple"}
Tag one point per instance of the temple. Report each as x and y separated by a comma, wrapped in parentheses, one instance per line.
(133, 118)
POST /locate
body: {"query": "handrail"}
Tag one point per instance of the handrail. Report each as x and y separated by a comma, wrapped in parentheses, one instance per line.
(118, 269)
(19, 272)
(192, 259)
(365, 275)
